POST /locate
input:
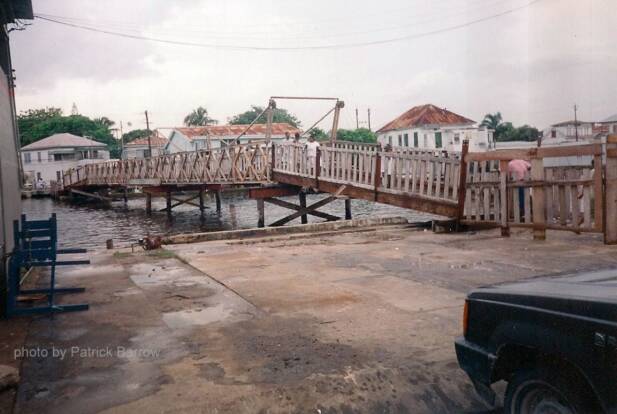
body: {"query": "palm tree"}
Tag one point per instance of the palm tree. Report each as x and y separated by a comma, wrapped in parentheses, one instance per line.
(492, 121)
(199, 117)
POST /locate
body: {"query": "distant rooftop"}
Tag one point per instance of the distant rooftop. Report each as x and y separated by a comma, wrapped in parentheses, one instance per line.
(235, 130)
(425, 115)
(156, 140)
(612, 118)
(63, 140)
(571, 122)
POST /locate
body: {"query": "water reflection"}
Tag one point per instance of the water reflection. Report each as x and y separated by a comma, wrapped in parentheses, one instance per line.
(89, 225)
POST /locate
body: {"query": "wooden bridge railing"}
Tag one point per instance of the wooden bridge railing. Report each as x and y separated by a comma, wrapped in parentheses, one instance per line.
(236, 164)
(560, 198)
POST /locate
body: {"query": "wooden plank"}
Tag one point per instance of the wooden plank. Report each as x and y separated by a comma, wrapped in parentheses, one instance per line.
(539, 214)
(542, 152)
(487, 193)
(610, 201)
(462, 181)
(276, 191)
(598, 193)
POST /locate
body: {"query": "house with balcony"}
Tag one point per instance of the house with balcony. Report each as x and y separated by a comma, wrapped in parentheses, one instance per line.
(220, 136)
(45, 160)
(429, 127)
(568, 131)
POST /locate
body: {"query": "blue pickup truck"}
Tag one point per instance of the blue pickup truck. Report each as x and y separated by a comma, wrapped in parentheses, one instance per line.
(553, 340)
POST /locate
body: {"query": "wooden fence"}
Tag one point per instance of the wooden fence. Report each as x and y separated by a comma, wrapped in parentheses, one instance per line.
(560, 198)
(231, 165)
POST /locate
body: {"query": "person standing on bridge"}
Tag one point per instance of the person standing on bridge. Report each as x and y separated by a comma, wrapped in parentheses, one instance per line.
(311, 154)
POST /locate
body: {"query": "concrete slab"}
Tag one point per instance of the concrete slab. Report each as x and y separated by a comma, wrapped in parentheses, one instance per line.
(336, 323)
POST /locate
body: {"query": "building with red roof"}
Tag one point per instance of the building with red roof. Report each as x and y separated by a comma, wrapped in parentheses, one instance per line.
(430, 127)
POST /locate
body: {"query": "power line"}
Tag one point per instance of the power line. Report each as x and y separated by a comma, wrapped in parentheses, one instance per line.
(290, 48)
(267, 35)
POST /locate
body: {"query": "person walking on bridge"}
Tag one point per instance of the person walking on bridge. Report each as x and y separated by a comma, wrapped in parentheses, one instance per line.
(311, 154)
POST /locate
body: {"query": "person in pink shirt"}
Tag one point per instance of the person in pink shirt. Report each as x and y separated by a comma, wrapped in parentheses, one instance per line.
(517, 169)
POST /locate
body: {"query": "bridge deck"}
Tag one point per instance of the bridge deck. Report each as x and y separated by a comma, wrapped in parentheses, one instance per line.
(418, 180)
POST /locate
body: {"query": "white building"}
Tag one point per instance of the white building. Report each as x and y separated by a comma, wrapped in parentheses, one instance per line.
(430, 127)
(567, 131)
(139, 148)
(607, 126)
(46, 159)
(217, 136)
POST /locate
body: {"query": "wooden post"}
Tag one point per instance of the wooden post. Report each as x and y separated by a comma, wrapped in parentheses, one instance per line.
(273, 161)
(538, 201)
(337, 112)
(201, 201)
(302, 197)
(168, 199)
(610, 202)
(348, 209)
(377, 177)
(598, 193)
(125, 195)
(269, 116)
(217, 196)
(462, 182)
(317, 165)
(148, 203)
(261, 220)
(503, 195)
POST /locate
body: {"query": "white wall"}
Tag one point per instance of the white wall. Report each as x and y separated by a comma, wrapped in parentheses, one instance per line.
(451, 138)
(48, 168)
(138, 151)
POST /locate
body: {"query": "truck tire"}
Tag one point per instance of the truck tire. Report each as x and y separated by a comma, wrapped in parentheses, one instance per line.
(536, 391)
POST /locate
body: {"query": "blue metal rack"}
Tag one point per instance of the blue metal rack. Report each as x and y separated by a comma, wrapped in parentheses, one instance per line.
(36, 243)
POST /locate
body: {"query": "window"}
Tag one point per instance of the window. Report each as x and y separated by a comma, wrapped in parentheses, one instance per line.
(58, 175)
(406, 138)
(438, 143)
(38, 156)
(457, 138)
(400, 140)
(27, 157)
(415, 140)
(425, 141)
(553, 133)
(390, 140)
(95, 154)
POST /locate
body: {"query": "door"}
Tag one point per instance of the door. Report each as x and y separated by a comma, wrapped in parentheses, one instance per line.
(415, 140)
(438, 140)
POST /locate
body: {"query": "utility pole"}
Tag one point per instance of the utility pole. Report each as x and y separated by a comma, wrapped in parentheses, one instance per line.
(357, 123)
(149, 134)
(575, 123)
(369, 119)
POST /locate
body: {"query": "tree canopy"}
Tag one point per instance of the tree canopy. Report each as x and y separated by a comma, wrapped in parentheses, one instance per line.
(319, 134)
(279, 115)
(199, 117)
(505, 131)
(36, 124)
(356, 135)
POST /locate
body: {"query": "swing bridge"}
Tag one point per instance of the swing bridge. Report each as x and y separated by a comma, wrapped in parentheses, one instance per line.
(471, 188)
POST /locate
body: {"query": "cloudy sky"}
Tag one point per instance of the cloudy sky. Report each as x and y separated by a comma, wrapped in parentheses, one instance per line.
(531, 60)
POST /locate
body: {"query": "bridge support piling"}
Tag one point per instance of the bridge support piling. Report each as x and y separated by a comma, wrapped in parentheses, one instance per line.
(201, 201)
(302, 198)
(168, 204)
(125, 195)
(261, 219)
(348, 209)
(148, 203)
(217, 196)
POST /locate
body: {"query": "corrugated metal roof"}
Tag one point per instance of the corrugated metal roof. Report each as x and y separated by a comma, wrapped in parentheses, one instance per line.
(214, 131)
(428, 114)
(62, 140)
